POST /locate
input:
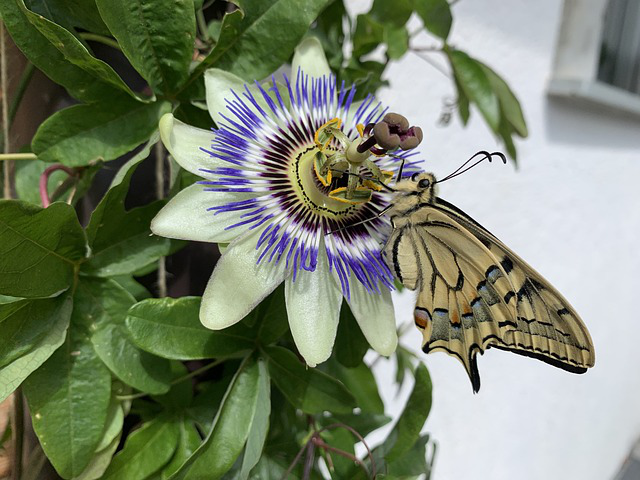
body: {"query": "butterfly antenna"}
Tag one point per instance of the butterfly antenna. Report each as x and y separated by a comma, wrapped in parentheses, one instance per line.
(485, 156)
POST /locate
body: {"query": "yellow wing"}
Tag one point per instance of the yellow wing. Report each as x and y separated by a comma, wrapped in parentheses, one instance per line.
(475, 293)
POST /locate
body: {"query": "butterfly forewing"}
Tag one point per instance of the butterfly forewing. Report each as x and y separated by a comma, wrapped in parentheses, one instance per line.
(474, 293)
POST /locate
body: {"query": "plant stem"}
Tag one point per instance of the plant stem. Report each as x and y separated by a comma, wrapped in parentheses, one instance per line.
(176, 381)
(18, 156)
(162, 265)
(100, 39)
(44, 180)
(202, 26)
(420, 54)
(25, 78)
(308, 460)
(4, 91)
(17, 429)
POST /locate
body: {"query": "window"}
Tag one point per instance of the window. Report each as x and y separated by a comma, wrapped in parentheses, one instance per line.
(619, 63)
(598, 54)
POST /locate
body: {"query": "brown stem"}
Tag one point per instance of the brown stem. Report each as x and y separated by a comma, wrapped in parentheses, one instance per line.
(4, 87)
(295, 462)
(17, 429)
(308, 460)
(44, 181)
(319, 442)
(359, 437)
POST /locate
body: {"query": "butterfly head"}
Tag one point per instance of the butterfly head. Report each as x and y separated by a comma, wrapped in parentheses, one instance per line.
(421, 184)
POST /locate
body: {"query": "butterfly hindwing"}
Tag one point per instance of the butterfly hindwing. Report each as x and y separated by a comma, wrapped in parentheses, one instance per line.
(474, 293)
(546, 326)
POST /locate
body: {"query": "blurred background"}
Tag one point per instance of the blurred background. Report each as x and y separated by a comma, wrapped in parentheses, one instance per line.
(571, 209)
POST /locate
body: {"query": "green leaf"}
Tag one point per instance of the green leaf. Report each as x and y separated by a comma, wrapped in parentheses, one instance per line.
(213, 29)
(509, 104)
(436, 16)
(364, 423)
(121, 241)
(261, 36)
(100, 462)
(406, 431)
(361, 384)
(24, 324)
(157, 36)
(194, 116)
(397, 40)
(413, 462)
(188, 442)
(506, 133)
(403, 364)
(86, 78)
(368, 34)
(351, 345)
(132, 286)
(272, 315)
(104, 305)
(79, 13)
(68, 399)
(207, 401)
(180, 395)
(366, 76)
(329, 29)
(230, 429)
(462, 103)
(113, 424)
(129, 167)
(12, 374)
(171, 328)
(394, 13)
(476, 86)
(269, 467)
(81, 134)
(307, 388)
(39, 248)
(259, 423)
(146, 451)
(137, 368)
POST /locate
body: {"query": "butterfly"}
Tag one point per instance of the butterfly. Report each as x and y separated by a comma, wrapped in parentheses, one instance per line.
(474, 293)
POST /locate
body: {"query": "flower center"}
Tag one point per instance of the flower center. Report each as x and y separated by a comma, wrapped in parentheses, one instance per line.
(312, 192)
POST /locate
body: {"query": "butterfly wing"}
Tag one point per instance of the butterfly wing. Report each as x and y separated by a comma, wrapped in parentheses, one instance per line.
(474, 293)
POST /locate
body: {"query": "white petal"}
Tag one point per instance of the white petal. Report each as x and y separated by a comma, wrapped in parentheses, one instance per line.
(374, 314)
(184, 141)
(238, 284)
(218, 86)
(309, 56)
(313, 307)
(185, 217)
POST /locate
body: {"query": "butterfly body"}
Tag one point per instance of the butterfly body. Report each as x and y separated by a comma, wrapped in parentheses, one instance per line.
(474, 293)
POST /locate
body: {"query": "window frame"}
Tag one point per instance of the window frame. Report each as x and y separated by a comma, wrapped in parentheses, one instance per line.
(575, 67)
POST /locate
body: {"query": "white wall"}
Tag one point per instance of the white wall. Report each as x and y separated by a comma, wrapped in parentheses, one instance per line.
(572, 210)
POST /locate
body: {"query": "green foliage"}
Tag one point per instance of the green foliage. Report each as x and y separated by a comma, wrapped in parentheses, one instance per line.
(82, 134)
(170, 328)
(480, 85)
(40, 249)
(156, 36)
(123, 385)
(68, 399)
